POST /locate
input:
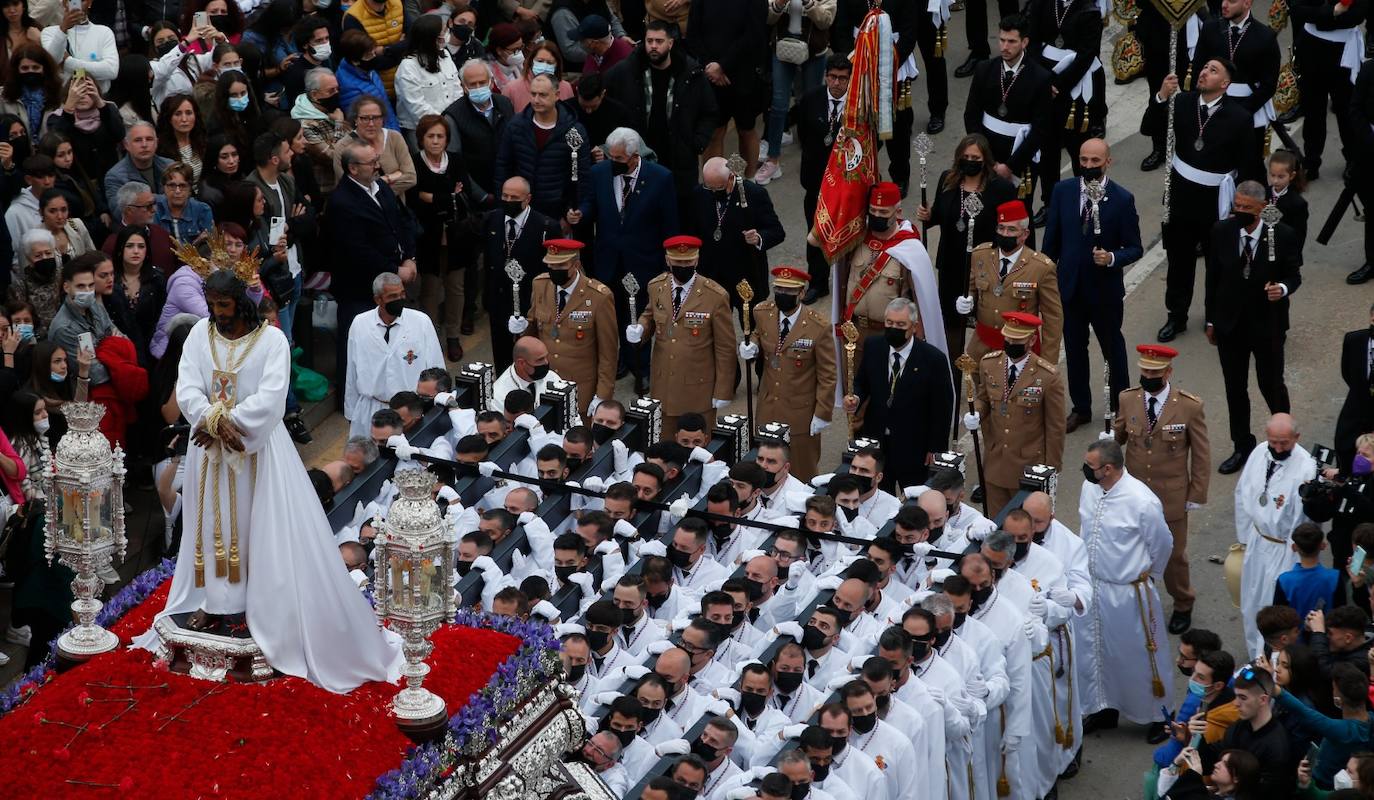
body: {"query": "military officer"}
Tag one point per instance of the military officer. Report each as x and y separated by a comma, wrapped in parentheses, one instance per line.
(574, 316)
(1023, 397)
(875, 274)
(798, 350)
(1165, 435)
(1009, 276)
(688, 315)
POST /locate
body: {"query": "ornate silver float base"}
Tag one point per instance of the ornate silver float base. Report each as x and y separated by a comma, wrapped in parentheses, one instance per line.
(210, 656)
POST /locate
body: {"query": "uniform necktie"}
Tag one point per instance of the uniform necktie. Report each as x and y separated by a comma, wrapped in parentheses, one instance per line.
(386, 335)
(1204, 111)
(1006, 266)
(562, 299)
(784, 699)
(1152, 412)
(677, 301)
(896, 373)
(811, 666)
(786, 328)
(1011, 374)
(510, 233)
(1269, 472)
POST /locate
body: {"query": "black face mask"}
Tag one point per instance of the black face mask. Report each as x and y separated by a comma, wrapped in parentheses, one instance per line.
(754, 589)
(752, 703)
(575, 463)
(980, 596)
(1153, 385)
(884, 702)
(680, 558)
(682, 274)
(649, 716)
(625, 737)
(920, 648)
(769, 479)
(704, 751)
(34, 80)
(850, 514)
(1277, 456)
(1091, 174)
(683, 793)
(1039, 536)
(1007, 244)
(942, 637)
(558, 276)
(1090, 474)
(785, 301)
(1015, 352)
(601, 434)
(656, 601)
(598, 639)
(563, 573)
(44, 269)
(721, 195)
(970, 167)
(620, 168)
(788, 682)
(863, 723)
(819, 772)
(1245, 218)
(721, 532)
(1186, 672)
(895, 337)
(395, 307)
(463, 567)
(512, 208)
(800, 791)
(879, 224)
(1022, 548)
(906, 547)
(959, 617)
(865, 482)
(813, 638)
(461, 32)
(837, 744)
(328, 104)
(628, 619)
(936, 533)
(575, 673)
(539, 372)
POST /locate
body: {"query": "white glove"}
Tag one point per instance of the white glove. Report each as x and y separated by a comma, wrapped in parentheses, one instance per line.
(717, 404)
(700, 455)
(404, 450)
(606, 698)
(818, 425)
(680, 623)
(1038, 606)
(794, 572)
(593, 405)
(621, 451)
(636, 672)
(1028, 628)
(971, 421)
(748, 350)
(1103, 436)
(1063, 597)
(822, 481)
(977, 534)
(746, 556)
(680, 506)
(1191, 506)
(450, 495)
(654, 548)
(718, 708)
(446, 400)
(568, 628)
(792, 731)
(977, 687)
(545, 609)
(634, 333)
(526, 517)
(584, 580)
(912, 492)
(920, 549)
(605, 548)
(727, 694)
(673, 747)
(659, 647)
(831, 582)
(964, 304)
(517, 325)
(487, 468)
(594, 484)
(936, 694)
(526, 421)
(625, 529)
(741, 793)
(488, 567)
(790, 628)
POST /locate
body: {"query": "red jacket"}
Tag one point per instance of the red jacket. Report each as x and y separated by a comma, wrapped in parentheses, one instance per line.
(127, 386)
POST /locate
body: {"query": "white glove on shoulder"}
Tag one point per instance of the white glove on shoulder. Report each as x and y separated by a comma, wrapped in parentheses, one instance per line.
(829, 582)
(977, 533)
(636, 672)
(658, 647)
(621, 452)
(792, 731)
(818, 425)
(605, 548)
(594, 484)
(526, 421)
(789, 628)
(673, 747)
(654, 548)
(748, 350)
(403, 449)
(680, 506)
(964, 304)
(912, 492)
(920, 549)
(971, 421)
(634, 333)
(740, 793)
(517, 325)
(488, 468)
(625, 529)
(746, 556)
(548, 611)
(822, 481)
(795, 570)
(700, 455)
(449, 495)
(526, 517)
(445, 400)
(584, 580)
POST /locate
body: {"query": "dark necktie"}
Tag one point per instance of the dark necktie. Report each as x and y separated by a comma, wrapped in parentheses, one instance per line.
(625, 188)
(811, 666)
(1087, 215)
(1269, 472)
(386, 335)
(1006, 267)
(510, 231)
(1011, 374)
(1235, 38)
(1205, 110)
(1249, 249)
(562, 299)
(896, 373)
(677, 300)
(786, 328)
(784, 699)
(834, 114)
(1152, 411)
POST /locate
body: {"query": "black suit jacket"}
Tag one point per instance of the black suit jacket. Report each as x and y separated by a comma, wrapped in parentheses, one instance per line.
(1295, 213)
(1081, 31)
(1028, 100)
(368, 237)
(919, 414)
(1235, 303)
(1257, 58)
(730, 259)
(1226, 140)
(813, 125)
(475, 137)
(1357, 412)
(529, 250)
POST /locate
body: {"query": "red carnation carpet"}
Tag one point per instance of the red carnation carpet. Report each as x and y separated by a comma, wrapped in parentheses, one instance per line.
(121, 726)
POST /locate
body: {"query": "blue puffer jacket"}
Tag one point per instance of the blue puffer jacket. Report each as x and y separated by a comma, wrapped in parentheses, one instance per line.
(548, 170)
(354, 83)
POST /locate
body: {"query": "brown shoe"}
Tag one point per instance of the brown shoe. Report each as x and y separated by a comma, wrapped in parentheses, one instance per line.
(1075, 421)
(455, 350)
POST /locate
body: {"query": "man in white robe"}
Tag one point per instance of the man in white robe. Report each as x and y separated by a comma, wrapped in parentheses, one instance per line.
(996, 684)
(1268, 508)
(891, 753)
(529, 370)
(262, 553)
(1123, 657)
(388, 348)
(939, 675)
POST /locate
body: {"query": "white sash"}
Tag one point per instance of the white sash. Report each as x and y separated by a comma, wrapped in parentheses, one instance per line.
(1352, 52)
(908, 71)
(1063, 60)
(1265, 115)
(939, 11)
(1225, 183)
(1191, 31)
(1016, 131)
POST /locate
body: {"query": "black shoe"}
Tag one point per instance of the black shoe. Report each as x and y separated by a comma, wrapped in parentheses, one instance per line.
(1156, 732)
(296, 427)
(970, 64)
(1291, 115)
(1071, 771)
(1038, 220)
(1313, 172)
(1235, 462)
(978, 494)
(1359, 276)
(622, 371)
(1179, 622)
(1171, 329)
(936, 124)
(1076, 420)
(455, 349)
(1153, 161)
(811, 296)
(1052, 794)
(641, 386)
(469, 326)
(1104, 720)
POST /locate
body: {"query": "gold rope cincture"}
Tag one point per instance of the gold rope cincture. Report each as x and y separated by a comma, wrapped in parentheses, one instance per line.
(1048, 655)
(226, 564)
(1141, 601)
(1068, 731)
(1003, 785)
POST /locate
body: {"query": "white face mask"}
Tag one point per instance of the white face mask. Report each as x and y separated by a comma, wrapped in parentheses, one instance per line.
(1342, 780)
(41, 426)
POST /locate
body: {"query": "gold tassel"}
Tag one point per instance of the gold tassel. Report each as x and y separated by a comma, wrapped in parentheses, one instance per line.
(1157, 686)
(200, 565)
(1068, 123)
(1059, 734)
(233, 528)
(1083, 126)
(1188, 79)
(1268, 140)
(234, 558)
(1003, 786)
(1068, 739)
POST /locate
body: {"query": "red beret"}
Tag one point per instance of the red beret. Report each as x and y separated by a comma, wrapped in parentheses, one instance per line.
(885, 194)
(1011, 211)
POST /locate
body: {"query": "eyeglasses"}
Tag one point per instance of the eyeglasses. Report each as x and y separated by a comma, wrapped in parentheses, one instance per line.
(180, 186)
(370, 118)
(142, 205)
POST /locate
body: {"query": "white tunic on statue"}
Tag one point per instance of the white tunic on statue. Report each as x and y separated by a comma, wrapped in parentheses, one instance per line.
(380, 365)
(1128, 545)
(302, 608)
(1264, 528)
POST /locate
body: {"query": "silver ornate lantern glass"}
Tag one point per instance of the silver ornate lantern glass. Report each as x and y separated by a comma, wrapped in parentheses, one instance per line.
(413, 589)
(84, 529)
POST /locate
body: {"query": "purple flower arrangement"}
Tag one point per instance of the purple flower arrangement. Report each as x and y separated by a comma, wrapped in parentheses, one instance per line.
(474, 728)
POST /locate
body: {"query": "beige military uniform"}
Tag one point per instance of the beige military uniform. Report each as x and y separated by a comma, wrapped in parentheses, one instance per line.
(891, 282)
(693, 360)
(583, 341)
(1020, 427)
(1174, 460)
(1031, 285)
(801, 384)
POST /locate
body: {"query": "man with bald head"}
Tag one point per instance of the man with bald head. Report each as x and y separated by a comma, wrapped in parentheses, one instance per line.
(933, 503)
(735, 240)
(529, 370)
(1268, 508)
(510, 232)
(1091, 266)
(601, 752)
(339, 472)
